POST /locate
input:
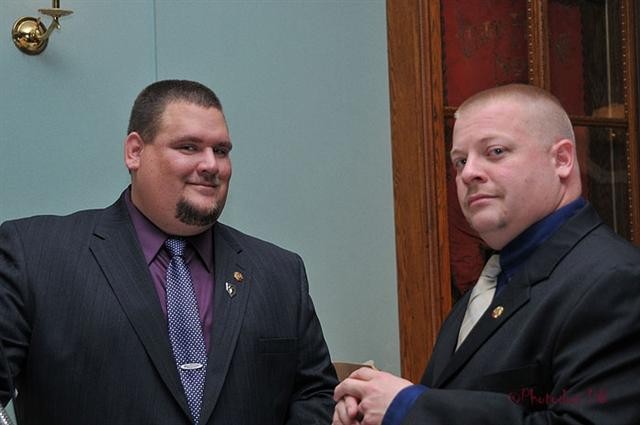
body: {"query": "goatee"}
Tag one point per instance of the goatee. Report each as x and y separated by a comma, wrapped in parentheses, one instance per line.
(188, 214)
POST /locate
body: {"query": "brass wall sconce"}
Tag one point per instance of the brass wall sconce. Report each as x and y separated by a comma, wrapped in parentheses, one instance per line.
(31, 36)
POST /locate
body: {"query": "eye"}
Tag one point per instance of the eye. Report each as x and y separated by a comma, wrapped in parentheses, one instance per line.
(496, 151)
(459, 163)
(222, 150)
(188, 147)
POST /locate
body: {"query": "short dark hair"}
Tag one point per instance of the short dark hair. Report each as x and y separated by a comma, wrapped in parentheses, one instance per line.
(152, 101)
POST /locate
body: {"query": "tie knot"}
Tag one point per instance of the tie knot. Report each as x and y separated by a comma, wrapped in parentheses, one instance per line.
(492, 268)
(175, 246)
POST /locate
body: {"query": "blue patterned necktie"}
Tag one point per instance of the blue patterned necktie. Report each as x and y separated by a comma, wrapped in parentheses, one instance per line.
(185, 331)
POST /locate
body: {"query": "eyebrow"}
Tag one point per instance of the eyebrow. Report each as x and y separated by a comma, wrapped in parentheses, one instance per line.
(195, 139)
(484, 141)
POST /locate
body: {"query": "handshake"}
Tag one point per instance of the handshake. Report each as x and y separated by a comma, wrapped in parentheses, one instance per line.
(364, 396)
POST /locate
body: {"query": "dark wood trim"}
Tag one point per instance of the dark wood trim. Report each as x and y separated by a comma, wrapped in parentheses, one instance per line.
(419, 178)
(588, 121)
(630, 28)
(538, 43)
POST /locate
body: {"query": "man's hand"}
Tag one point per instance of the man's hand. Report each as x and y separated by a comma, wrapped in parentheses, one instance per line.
(346, 412)
(374, 389)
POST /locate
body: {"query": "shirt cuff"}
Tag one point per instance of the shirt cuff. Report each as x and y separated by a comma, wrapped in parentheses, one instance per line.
(401, 404)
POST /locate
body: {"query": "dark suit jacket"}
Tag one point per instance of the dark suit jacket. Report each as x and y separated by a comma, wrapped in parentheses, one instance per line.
(565, 350)
(87, 341)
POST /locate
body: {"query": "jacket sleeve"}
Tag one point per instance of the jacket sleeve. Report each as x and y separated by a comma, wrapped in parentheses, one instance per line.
(14, 324)
(312, 400)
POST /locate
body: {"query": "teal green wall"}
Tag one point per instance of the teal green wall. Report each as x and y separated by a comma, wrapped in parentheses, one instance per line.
(304, 84)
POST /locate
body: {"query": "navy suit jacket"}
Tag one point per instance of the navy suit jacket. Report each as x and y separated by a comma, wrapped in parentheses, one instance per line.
(87, 341)
(560, 344)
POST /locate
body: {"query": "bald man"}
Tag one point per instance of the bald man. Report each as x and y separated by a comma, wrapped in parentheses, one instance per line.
(550, 334)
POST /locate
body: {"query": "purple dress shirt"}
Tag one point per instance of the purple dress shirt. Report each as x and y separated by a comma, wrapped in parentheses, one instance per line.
(199, 257)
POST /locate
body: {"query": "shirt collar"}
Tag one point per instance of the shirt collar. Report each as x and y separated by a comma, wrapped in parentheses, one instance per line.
(152, 238)
(519, 249)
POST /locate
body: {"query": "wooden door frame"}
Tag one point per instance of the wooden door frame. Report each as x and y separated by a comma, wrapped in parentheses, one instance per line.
(419, 176)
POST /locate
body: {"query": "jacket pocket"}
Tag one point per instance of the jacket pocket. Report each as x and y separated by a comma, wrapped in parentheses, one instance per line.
(276, 345)
(510, 380)
(524, 385)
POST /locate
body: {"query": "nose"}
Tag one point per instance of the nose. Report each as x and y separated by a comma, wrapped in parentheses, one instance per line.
(208, 163)
(472, 171)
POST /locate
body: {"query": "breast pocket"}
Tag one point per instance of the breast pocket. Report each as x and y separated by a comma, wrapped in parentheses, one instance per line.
(277, 345)
(525, 385)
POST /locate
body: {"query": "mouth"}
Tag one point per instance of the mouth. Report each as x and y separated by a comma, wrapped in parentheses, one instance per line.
(212, 184)
(205, 187)
(204, 184)
(478, 198)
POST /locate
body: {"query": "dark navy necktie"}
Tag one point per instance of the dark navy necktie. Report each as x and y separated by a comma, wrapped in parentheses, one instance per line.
(185, 330)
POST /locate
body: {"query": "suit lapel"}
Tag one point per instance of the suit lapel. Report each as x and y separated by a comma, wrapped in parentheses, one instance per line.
(117, 251)
(515, 295)
(233, 279)
(510, 300)
(446, 343)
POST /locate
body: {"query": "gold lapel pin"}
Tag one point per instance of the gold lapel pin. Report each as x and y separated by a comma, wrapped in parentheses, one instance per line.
(238, 276)
(231, 289)
(497, 312)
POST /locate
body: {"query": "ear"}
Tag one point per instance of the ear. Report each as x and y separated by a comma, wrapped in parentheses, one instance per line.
(564, 157)
(133, 147)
